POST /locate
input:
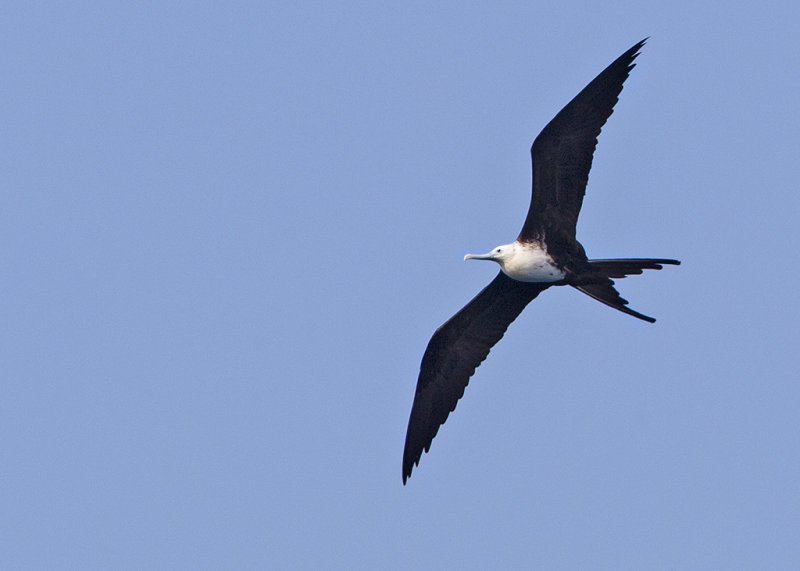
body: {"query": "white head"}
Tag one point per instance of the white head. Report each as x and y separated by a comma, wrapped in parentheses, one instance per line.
(501, 254)
(526, 262)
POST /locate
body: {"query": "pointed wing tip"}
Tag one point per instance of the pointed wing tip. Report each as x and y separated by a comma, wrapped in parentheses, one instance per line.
(408, 465)
(633, 53)
(407, 469)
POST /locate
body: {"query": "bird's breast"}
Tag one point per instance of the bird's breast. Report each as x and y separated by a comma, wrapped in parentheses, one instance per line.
(531, 263)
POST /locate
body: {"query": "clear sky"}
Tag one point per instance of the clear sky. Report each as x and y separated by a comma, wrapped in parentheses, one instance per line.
(228, 230)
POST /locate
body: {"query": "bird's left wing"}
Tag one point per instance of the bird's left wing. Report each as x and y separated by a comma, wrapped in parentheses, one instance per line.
(454, 352)
(561, 155)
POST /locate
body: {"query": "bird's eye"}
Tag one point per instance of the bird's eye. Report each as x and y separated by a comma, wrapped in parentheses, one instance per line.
(499, 250)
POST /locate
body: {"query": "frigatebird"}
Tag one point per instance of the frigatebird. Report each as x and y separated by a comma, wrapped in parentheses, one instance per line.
(546, 253)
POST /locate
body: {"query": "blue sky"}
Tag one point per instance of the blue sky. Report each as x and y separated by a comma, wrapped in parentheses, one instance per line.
(228, 231)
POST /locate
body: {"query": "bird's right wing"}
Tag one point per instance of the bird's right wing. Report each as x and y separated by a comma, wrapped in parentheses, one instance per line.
(454, 352)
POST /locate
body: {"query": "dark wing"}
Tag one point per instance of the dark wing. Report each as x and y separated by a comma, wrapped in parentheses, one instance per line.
(454, 352)
(561, 155)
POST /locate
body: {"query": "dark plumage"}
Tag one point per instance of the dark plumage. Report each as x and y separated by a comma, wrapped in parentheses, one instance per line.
(561, 159)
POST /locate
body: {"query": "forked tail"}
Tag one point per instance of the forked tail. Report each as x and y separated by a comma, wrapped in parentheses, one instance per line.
(603, 289)
(629, 266)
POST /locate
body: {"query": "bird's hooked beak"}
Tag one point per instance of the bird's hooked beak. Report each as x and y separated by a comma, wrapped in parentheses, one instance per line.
(488, 256)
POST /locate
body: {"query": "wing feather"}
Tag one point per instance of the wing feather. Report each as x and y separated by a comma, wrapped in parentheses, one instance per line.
(454, 352)
(561, 155)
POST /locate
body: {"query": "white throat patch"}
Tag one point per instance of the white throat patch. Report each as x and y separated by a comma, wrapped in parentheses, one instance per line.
(530, 263)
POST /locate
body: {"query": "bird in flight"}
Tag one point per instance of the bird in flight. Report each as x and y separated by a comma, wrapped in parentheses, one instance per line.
(544, 254)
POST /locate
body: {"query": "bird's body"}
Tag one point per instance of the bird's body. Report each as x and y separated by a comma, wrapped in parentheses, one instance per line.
(523, 261)
(546, 253)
